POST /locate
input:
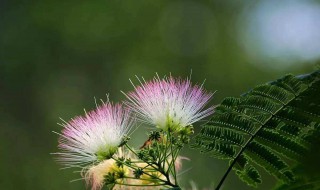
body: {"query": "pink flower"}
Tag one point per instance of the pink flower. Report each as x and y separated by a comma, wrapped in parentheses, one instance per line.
(169, 102)
(93, 137)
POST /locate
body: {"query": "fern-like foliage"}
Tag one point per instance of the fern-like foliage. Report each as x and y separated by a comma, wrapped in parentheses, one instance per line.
(302, 182)
(270, 127)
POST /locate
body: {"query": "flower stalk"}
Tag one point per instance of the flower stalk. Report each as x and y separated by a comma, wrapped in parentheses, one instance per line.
(153, 165)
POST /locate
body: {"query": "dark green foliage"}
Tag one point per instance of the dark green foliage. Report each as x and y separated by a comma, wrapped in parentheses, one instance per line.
(307, 171)
(265, 128)
(110, 178)
(120, 162)
(250, 175)
(304, 180)
(154, 135)
(137, 173)
(300, 184)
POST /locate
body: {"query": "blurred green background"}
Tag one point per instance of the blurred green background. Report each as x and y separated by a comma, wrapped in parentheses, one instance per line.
(56, 56)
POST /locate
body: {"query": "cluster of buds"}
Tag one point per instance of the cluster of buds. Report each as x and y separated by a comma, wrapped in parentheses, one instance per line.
(98, 141)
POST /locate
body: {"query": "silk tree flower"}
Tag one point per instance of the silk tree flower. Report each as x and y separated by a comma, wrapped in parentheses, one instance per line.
(169, 103)
(95, 175)
(94, 137)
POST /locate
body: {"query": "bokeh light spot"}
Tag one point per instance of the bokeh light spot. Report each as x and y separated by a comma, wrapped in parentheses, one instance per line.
(281, 34)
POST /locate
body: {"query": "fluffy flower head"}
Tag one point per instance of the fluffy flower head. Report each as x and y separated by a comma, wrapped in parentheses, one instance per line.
(93, 137)
(95, 175)
(169, 102)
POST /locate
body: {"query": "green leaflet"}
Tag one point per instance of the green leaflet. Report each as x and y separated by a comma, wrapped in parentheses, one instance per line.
(282, 145)
(216, 149)
(264, 128)
(250, 175)
(263, 156)
(223, 135)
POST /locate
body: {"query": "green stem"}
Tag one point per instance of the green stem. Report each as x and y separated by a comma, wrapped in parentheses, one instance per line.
(165, 151)
(149, 164)
(171, 164)
(128, 147)
(175, 155)
(130, 166)
(136, 178)
(128, 184)
(157, 166)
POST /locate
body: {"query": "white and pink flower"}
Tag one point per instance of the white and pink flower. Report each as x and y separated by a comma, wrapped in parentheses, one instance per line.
(93, 137)
(169, 102)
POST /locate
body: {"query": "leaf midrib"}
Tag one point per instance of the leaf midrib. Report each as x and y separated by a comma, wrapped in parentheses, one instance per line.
(242, 149)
